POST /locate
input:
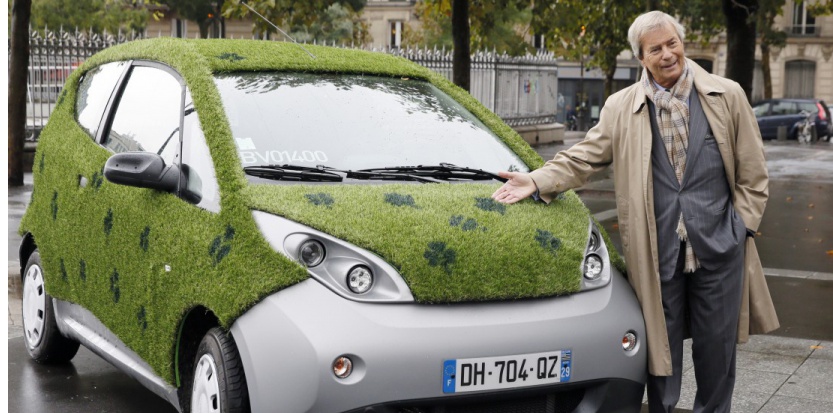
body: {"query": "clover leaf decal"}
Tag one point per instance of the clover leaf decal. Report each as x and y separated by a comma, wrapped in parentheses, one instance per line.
(466, 224)
(63, 271)
(143, 239)
(547, 241)
(54, 205)
(114, 286)
(438, 254)
(232, 57)
(490, 205)
(320, 199)
(142, 317)
(108, 222)
(400, 200)
(221, 246)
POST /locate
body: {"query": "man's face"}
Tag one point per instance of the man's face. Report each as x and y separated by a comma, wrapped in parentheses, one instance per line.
(663, 55)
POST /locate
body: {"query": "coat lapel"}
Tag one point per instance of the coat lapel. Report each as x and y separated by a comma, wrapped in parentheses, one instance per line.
(698, 126)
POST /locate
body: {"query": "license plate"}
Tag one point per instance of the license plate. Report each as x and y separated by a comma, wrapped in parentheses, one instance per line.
(506, 372)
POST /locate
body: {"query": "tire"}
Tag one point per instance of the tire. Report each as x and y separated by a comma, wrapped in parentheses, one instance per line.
(43, 340)
(217, 382)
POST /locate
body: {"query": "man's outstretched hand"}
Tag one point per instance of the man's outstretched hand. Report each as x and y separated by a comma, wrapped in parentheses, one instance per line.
(518, 187)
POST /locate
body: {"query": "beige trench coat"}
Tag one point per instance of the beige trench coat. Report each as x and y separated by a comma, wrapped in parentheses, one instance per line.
(623, 138)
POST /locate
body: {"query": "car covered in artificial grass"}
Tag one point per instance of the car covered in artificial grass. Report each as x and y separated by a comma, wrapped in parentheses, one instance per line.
(242, 226)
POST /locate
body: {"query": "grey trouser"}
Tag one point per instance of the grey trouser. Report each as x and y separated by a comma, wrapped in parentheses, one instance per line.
(710, 301)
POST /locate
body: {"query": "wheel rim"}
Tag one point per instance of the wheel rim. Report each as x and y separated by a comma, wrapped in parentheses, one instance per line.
(205, 397)
(34, 305)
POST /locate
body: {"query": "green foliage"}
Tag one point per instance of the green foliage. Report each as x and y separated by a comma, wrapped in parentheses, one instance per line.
(595, 32)
(316, 20)
(95, 15)
(495, 25)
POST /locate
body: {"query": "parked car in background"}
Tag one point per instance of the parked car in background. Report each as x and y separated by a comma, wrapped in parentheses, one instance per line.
(773, 114)
(241, 226)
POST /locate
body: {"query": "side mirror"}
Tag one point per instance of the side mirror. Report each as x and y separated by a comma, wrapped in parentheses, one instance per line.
(142, 170)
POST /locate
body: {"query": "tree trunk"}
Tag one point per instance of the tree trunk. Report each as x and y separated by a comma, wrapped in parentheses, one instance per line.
(609, 81)
(18, 68)
(740, 38)
(765, 68)
(461, 34)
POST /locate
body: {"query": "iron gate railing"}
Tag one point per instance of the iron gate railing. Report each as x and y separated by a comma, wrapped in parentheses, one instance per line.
(521, 90)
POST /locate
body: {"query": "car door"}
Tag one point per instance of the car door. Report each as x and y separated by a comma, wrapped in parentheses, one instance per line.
(761, 111)
(784, 114)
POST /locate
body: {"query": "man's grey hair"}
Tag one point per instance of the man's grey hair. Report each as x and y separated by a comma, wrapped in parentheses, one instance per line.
(648, 22)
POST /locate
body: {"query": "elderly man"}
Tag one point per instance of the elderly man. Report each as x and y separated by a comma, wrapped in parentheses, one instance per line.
(691, 187)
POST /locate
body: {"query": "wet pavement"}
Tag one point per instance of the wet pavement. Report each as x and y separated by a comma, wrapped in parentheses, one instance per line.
(789, 370)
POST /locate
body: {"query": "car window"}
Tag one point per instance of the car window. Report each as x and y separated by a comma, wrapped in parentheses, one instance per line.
(808, 106)
(196, 160)
(148, 114)
(354, 122)
(761, 109)
(784, 108)
(94, 93)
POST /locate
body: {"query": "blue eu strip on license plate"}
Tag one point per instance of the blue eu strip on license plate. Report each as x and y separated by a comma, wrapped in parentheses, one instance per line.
(506, 372)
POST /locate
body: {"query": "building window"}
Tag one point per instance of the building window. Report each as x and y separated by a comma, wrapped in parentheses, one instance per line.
(538, 42)
(179, 28)
(800, 79)
(804, 23)
(706, 64)
(395, 34)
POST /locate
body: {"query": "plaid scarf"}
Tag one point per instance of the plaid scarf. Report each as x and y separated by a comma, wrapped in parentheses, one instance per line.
(673, 118)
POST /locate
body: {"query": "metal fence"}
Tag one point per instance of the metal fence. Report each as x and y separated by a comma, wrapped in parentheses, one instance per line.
(52, 57)
(521, 90)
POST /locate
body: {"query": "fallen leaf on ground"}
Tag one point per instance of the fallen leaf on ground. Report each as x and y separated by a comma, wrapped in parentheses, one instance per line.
(789, 199)
(811, 206)
(810, 217)
(830, 252)
(615, 226)
(758, 234)
(816, 347)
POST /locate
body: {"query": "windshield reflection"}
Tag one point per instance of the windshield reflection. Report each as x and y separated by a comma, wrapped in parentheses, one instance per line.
(354, 122)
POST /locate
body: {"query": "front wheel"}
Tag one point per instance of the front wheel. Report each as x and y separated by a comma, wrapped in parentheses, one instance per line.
(44, 341)
(219, 384)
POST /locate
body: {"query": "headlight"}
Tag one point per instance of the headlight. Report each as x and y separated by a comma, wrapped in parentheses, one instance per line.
(311, 253)
(593, 267)
(348, 270)
(360, 279)
(593, 243)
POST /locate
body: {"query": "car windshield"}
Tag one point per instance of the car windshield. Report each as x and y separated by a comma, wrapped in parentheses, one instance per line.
(354, 122)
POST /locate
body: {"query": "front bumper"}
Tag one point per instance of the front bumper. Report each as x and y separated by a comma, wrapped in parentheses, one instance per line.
(289, 341)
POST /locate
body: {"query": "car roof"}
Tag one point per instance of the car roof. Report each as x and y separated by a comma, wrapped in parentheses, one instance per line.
(228, 55)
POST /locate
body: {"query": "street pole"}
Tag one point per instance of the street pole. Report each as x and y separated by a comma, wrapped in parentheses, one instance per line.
(580, 106)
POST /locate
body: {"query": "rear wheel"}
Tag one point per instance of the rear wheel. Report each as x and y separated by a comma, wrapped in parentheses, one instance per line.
(44, 341)
(218, 383)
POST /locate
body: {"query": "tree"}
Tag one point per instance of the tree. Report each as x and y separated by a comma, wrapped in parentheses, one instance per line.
(297, 16)
(494, 25)
(202, 12)
(591, 32)
(95, 15)
(18, 68)
(480, 24)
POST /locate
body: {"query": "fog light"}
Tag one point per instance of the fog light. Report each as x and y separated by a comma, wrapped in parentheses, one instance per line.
(592, 267)
(311, 253)
(360, 279)
(342, 367)
(629, 341)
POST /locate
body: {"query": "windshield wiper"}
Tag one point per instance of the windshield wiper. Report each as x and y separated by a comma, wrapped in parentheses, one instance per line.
(444, 171)
(293, 173)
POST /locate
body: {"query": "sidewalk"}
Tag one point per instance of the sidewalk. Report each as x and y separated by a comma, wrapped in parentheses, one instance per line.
(774, 374)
